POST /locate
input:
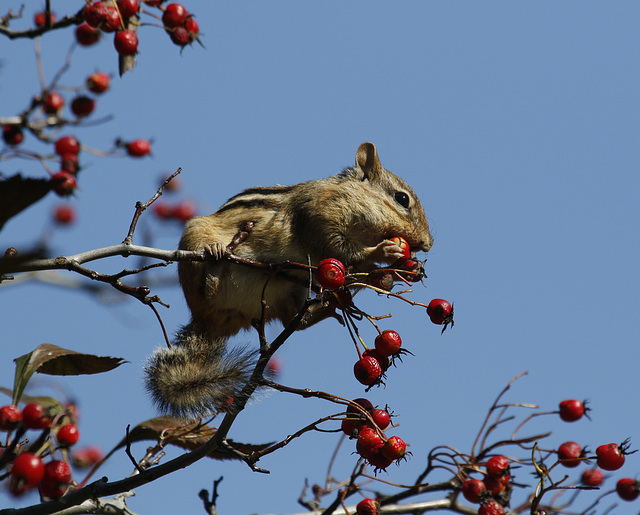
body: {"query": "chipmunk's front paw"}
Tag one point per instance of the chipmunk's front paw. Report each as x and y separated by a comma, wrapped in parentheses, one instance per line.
(216, 249)
(387, 252)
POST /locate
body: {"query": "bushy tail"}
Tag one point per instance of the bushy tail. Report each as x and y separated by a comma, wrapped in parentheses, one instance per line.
(196, 376)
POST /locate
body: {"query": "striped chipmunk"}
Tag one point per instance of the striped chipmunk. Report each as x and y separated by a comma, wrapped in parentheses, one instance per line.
(350, 216)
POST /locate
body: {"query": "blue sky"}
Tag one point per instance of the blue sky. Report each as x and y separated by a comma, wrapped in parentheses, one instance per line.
(516, 123)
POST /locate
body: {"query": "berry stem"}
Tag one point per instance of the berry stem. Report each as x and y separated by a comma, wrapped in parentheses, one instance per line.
(352, 327)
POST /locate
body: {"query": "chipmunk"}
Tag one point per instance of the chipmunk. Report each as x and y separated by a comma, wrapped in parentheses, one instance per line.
(350, 216)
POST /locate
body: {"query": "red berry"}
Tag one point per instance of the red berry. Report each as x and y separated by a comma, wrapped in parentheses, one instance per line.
(365, 404)
(63, 183)
(27, 471)
(355, 418)
(64, 214)
(382, 280)
(382, 360)
(367, 370)
(628, 488)
(82, 106)
(163, 210)
(394, 448)
(404, 246)
(138, 148)
(388, 343)
(344, 298)
(35, 416)
(330, 273)
(10, 417)
(440, 311)
(497, 485)
(611, 456)
(592, 477)
(67, 145)
(367, 507)
(379, 461)
(411, 264)
(112, 23)
(40, 19)
(381, 418)
(68, 435)
(69, 163)
(95, 14)
(174, 15)
(491, 507)
(180, 36)
(86, 35)
(53, 103)
(369, 442)
(12, 134)
(128, 7)
(474, 490)
(98, 82)
(57, 471)
(572, 410)
(57, 476)
(87, 456)
(184, 211)
(126, 42)
(498, 466)
(350, 425)
(192, 28)
(274, 367)
(569, 454)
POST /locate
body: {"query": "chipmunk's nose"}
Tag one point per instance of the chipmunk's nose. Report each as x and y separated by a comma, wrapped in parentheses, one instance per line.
(425, 244)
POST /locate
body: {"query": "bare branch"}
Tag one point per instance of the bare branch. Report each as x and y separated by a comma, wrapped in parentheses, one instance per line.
(38, 31)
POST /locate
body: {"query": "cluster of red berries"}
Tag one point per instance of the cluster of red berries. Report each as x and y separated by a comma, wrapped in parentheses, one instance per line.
(180, 24)
(82, 104)
(67, 147)
(608, 457)
(492, 492)
(28, 467)
(104, 17)
(366, 424)
(64, 182)
(372, 364)
(183, 211)
(52, 103)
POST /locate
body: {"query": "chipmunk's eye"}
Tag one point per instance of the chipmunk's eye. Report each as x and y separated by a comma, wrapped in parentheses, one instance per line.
(402, 199)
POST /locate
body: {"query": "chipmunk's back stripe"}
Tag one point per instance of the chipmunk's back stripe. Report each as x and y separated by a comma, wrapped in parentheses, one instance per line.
(262, 190)
(256, 197)
(249, 203)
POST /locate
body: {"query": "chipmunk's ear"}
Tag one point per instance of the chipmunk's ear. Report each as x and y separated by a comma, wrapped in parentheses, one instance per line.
(367, 160)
